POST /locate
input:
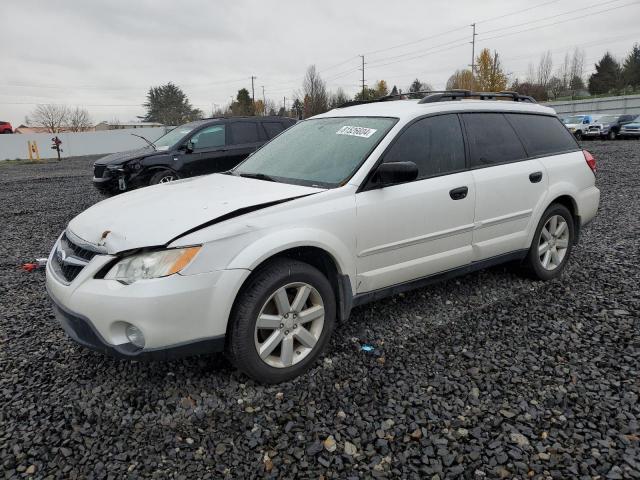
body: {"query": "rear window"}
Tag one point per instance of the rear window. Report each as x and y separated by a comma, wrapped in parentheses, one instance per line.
(244, 132)
(492, 139)
(542, 135)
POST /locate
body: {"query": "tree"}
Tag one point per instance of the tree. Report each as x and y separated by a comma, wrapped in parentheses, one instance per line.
(545, 67)
(52, 117)
(461, 79)
(489, 76)
(394, 91)
(78, 120)
(169, 105)
(418, 86)
(382, 90)
(576, 84)
(631, 68)
(577, 65)
(297, 108)
(366, 95)
(243, 105)
(338, 98)
(258, 107)
(606, 77)
(554, 87)
(534, 90)
(316, 99)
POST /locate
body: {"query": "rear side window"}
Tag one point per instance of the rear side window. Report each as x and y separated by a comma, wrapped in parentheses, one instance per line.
(542, 135)
(434, 144)
(492, 140)
(244, 132)
(273, 128)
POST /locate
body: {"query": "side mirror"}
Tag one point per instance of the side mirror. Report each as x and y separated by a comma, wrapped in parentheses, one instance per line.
(189, 146)
(393, 173)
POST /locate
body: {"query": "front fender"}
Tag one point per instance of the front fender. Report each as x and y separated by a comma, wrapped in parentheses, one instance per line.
(276, 242)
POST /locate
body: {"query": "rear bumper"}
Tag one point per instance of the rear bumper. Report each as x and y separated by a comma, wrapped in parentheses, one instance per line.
(82, 331)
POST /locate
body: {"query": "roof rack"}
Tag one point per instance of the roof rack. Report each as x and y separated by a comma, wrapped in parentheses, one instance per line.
(432, 96)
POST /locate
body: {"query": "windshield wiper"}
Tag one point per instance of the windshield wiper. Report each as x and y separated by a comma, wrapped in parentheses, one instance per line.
(148, 141)
(258, 176)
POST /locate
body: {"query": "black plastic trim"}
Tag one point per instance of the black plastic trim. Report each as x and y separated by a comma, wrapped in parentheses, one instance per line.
(82, 331)
(381, 293)
(345, 297)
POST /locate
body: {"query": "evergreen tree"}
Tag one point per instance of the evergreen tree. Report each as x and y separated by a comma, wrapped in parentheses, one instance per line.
(169, 105)
(631, 68)
(607, 76)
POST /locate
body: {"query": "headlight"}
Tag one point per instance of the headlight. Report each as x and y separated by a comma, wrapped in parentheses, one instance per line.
(151, 264)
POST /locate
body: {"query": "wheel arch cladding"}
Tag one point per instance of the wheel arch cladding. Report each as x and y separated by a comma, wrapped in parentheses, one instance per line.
(571, 205)
(326, 264)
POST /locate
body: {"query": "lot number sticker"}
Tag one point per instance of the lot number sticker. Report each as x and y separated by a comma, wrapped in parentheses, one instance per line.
(363, 132)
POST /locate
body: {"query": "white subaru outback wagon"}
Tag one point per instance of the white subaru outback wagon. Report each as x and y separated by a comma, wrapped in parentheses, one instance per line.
(344, 208)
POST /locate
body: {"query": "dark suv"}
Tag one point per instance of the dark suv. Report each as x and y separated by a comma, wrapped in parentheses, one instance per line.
(196, 148)
(607, 126)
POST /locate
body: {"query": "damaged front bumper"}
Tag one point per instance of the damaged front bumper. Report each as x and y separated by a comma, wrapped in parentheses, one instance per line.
(115, 179)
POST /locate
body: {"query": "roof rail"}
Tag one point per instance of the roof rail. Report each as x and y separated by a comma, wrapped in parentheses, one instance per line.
(431, 96)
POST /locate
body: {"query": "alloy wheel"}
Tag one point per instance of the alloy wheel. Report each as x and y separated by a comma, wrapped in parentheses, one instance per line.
(167, 179)
(553, 242)
(289, 325)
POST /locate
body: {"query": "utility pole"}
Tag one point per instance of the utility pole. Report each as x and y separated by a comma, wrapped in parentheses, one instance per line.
(473, 49)
(253, 92)
(362, 56)
(284, 104)
(264, 102)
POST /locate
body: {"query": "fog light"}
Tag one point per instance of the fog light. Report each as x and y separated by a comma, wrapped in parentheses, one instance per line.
(134, 335)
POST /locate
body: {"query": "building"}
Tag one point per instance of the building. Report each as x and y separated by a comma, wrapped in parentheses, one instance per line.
(121, 126)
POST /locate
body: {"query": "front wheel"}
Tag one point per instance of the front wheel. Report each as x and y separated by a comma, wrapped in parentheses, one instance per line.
(552, 242)
(612, 135)
(281, 321)
(163, 176)
(578, 135)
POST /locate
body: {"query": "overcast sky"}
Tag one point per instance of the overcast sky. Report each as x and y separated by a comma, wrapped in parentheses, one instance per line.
(104, 55)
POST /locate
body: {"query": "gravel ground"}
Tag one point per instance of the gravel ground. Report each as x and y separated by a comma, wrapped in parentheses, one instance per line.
(487, 376)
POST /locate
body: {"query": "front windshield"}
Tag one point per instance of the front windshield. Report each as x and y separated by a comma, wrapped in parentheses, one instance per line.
(169, 139)
(576, 119)
(322, 152)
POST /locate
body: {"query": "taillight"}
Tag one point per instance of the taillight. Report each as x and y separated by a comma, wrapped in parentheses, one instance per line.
(591, 161)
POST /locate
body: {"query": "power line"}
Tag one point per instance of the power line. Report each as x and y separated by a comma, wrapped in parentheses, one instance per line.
(571, 12)
(561, 21)
(517, 12)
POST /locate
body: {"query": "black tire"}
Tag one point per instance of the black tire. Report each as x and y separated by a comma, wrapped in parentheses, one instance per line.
(578, 135)
(612, 135)
(158, 177)
(241, 347)
(532, 262)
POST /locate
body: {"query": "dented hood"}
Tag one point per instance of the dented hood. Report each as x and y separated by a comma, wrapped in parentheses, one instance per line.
(156, 215)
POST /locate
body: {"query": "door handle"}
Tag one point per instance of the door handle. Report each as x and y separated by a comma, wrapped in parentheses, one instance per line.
(535, 177)
(459, 193)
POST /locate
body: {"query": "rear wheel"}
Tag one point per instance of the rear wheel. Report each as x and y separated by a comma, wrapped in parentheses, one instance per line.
(163, 176)
(281, 322)
(578, 135)
(552, 243)
(612, 135)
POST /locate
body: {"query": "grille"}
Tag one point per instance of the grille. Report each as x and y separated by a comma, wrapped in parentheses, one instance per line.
(69, 259)
(594, 128)
(98, 170)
